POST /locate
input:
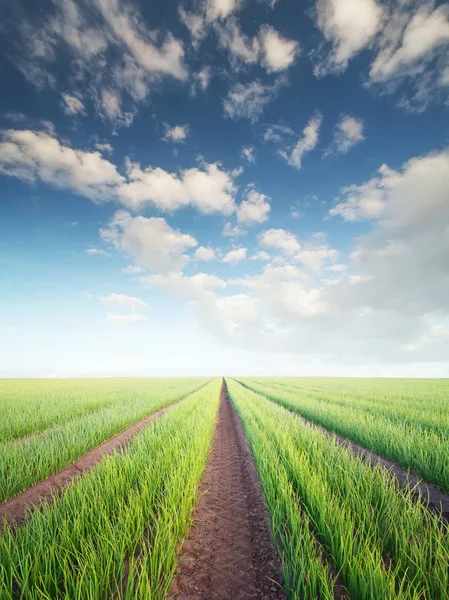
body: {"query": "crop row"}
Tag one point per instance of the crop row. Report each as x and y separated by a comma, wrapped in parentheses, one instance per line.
(423, 450)
(25, 462)
(325, 502)
(122, 542)
(427, 408)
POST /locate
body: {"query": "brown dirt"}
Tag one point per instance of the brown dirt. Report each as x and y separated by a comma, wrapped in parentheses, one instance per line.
(431, 495)
(18, 508)
(229, 554)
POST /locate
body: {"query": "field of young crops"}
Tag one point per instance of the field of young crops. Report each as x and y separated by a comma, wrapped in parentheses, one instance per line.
(340, 527)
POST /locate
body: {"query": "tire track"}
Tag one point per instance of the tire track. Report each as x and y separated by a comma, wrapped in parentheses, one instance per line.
(228, 554)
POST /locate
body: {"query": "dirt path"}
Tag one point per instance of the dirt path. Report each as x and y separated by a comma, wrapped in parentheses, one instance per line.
(434, 498)
(17, 509)
(228, 554)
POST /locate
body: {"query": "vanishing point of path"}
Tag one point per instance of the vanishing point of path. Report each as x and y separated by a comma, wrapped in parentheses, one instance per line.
(228, 554)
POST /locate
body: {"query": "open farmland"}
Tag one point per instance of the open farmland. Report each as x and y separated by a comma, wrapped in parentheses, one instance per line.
(223, 489)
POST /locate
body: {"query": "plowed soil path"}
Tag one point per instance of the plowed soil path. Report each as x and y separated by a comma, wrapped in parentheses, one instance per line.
(228, 554)
(16, 509)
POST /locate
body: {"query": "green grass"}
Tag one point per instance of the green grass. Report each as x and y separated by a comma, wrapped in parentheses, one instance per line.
(64, 419)
(115, 533)
(383, 544)
(402, 420)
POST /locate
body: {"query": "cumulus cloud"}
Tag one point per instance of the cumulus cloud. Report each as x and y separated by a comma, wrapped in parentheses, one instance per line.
(277, 133)
(204, 253)
(131, 319)
(348, 26)
(249, 100)
(210, 189)
(248, 154)
(72, 105)
(34, 155)
(134, 269)
(97, 252)
(269, 48)
(109, 48)
(306, 143)
(280, 239)
(408, 41)
(348, 133)
(235, 256)
(177, 133)
(278, 52)
(104, 147)
(124, 301)
(261, 255)
(233, 231)
(255, 208)
(151, 242)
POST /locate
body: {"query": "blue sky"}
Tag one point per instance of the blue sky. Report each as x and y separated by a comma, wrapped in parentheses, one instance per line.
(224, 186)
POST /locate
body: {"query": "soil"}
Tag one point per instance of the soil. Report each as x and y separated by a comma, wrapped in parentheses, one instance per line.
(228, 554)
(430, 495)
(18, 508)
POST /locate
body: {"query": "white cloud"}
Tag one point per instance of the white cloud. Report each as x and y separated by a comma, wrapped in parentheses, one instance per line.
(248, 154)
(104, 147)
(269, 48)
(73, 105)
(248, 100)
(177, 134)
(97, 252)
(204, 76)
(279, 53)
(406, 43)
(254, 208)
(316, 257)
(261, 255)
(124, 301)
(204, 254)
(151, 242)
(14, 116)
(409, 196)
(32, 155)
(238, 45)
(210, 189)
(409, 41)
(349, 26)
(131, 319)
(348, 133)
(109, 48)
(233, 231)
(220, 9)
(235, 256)
(280, 239)
(305, 144)
(196, 286)
(133, 269)
(277, 133)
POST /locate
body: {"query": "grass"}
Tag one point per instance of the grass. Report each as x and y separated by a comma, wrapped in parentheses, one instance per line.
(383, 544)
(122, 542)
(78, 415)
(396, 420)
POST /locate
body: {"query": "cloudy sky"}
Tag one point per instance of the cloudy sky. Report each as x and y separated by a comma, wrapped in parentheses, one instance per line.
(224, 187)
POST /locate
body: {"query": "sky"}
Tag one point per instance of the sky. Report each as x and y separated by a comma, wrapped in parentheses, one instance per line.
(248, 187)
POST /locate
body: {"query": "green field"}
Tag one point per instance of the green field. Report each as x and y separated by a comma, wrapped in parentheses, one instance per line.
(116, 531)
